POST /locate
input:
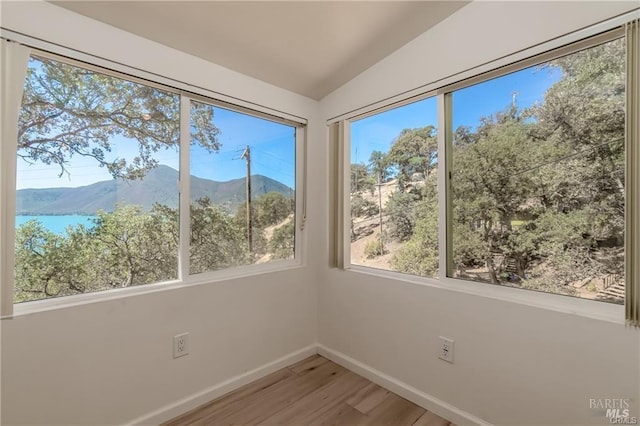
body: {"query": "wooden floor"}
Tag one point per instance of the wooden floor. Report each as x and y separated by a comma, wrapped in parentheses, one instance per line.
(314, 391)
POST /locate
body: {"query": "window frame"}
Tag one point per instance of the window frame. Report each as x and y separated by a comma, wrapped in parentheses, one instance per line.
(535, 55)
(186, 93)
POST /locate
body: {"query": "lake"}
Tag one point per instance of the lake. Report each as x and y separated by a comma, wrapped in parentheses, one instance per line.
(57, 224)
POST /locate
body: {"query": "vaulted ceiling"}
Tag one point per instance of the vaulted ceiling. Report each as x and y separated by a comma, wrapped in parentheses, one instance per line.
(308, 47)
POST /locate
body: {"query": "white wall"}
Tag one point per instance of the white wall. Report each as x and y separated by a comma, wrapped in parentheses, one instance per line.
(515, 364)
(111, 362)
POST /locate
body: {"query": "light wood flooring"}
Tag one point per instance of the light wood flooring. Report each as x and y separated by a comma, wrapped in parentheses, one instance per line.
(314, 391)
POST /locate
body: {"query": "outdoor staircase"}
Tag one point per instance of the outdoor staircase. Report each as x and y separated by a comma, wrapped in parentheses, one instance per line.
(615, 292)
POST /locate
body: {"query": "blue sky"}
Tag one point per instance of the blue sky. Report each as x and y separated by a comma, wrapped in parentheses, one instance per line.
(273, 144)
(469, 105)
(272, 149)
(272, 153)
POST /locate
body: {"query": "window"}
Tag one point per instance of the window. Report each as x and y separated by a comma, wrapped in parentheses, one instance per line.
(96, 170)
(257, 154)
(537, 187)
(530, 161)
(102, 180)
(394, 206)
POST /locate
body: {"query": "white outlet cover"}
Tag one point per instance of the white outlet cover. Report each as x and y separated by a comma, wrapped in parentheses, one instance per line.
(446, 349)
(180, 345)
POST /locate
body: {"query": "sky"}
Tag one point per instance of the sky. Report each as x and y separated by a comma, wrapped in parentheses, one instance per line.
(272, 154)
(469, 105)
(273, 144)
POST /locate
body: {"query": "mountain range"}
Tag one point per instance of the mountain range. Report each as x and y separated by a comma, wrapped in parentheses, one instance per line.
(158, 186)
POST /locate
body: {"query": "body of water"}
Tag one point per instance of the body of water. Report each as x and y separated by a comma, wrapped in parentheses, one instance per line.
(57, 224)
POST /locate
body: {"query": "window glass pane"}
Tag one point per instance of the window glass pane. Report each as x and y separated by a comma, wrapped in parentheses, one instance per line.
(96, 188)
(538, 177)
(394, 206)
(222, 234)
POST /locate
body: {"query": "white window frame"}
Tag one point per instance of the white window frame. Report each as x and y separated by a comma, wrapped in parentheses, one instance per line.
(540, 53)
(187, 93)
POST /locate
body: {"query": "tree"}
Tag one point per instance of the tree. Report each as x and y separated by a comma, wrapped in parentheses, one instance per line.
(217, 240)
(414, 151)
(379, 165)
(400, 210)
(282, 242)
(419, 255)
(363, 207)
(69, 111)
(361, 179)
(124, 248)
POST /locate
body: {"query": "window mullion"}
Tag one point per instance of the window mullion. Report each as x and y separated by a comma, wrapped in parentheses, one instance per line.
(184, 185)
(444, 184)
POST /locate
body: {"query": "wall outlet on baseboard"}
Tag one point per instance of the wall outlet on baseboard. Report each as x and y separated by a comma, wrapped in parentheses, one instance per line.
(446, 349)
(180, 345)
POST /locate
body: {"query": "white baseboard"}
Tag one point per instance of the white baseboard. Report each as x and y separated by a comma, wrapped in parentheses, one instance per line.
(426, 401)
(172, 410)
(406, 391)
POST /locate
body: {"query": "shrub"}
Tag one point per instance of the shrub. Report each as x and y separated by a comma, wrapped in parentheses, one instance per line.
(374, 249)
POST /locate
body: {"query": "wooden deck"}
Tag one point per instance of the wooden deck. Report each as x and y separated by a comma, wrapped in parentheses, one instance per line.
(314, 391)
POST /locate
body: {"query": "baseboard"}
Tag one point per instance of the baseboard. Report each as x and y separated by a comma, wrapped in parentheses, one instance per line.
(172, 410)
(426, 401)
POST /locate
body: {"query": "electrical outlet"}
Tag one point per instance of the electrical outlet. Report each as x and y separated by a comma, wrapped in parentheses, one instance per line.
(446, 349)
(180, 345)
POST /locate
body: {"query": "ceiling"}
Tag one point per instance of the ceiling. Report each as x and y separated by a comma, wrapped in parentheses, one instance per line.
(308, 47)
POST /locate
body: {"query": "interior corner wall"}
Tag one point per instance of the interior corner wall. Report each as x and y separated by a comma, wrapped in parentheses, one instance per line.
(110, 362)
(515, 364)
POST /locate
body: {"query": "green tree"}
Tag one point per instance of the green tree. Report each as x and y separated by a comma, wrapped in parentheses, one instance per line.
(217, 240)
(379, 165)
(282, 242)
(419, 254)
(363, 207)
(414, 151)
(70, 112)
(361, 179)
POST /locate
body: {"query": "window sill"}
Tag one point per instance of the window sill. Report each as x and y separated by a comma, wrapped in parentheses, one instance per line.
(38, 306)
(591, 309)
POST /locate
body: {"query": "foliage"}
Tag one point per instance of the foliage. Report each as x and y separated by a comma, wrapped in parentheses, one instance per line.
(268, 209)
(69, 111)
(414, 151)
(379, 166)
(401, 216)
(537, 194)
(374, 249)
(361, 179)
(282, 242)
(361, 207)
(123, 248)
(419, 256)
(217, 241)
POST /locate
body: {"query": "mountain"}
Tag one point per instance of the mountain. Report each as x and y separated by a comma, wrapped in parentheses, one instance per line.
(158, 186)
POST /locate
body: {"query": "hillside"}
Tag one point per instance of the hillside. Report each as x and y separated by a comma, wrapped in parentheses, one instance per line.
(158, 186)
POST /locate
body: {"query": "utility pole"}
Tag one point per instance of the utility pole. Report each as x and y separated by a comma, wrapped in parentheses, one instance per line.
(247, 156)
(514, 96)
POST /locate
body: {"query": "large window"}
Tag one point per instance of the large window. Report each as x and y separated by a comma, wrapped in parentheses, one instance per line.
(100, 178)
(255, 173)
(393, 191)
(537, 187)
(531, 163)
